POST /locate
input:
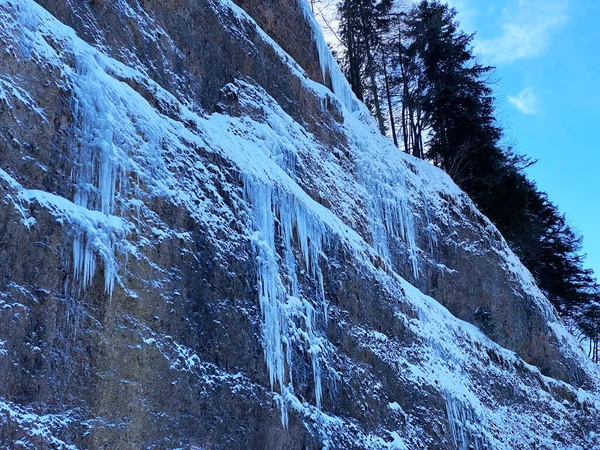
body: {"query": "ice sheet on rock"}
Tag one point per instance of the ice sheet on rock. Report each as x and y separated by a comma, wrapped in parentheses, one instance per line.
(329, 66)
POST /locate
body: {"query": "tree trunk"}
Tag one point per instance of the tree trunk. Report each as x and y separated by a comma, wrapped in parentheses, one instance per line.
(404, 103)
(371, 69)
(389, 101)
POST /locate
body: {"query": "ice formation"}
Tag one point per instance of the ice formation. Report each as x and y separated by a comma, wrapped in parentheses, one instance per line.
(329, 66)
(111, 137)
(464, 425)
(96, 168)
(119, 134)
(288, 315)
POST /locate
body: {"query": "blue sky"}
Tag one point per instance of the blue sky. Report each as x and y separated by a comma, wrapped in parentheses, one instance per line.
(547, 59)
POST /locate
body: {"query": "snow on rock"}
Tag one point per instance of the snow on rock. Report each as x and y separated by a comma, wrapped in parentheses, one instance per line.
(37, 429)
(355, 354)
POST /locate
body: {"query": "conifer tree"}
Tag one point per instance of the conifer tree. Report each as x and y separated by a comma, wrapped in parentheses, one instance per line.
(447, 116)
(360, 30)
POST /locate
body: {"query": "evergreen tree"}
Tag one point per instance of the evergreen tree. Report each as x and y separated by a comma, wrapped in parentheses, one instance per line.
(412, 86)
(447, 116)
(361, 23)
(456, 98)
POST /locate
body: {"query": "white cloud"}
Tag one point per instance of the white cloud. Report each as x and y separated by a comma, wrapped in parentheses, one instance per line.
(467, 14)
(527, 29)
(527, 101)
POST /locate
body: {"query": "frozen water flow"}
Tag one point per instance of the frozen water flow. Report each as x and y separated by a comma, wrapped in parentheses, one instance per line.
(464, 425)
(96, 168)
(389, 209)
(329, 66)
(269, 283)
(288, 317)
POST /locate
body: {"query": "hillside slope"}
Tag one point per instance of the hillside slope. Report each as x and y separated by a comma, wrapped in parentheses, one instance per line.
(204, 243)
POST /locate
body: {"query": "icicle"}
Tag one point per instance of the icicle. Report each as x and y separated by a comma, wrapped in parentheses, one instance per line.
(390, 214)
(287, 233)
(275, 210)
(313, 351)
(430, 227)
(329, 66)
(268, 281)
(464, 425)
(84, 260)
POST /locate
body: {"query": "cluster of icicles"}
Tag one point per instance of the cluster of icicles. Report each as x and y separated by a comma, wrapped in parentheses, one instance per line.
(94, 173)
(464, 425)
(281, 224)
(288, 317)
(283, 228)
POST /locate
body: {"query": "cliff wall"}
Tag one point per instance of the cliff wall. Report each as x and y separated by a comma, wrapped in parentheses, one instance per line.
(204, 243)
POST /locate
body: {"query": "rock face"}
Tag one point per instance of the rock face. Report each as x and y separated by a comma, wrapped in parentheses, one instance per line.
(204, 243)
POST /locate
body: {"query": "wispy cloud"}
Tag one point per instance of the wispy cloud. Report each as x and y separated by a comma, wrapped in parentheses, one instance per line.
(467, 13)
(527, 101)
(527, 29)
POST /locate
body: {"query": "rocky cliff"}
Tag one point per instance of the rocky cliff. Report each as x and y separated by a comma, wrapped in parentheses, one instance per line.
(204, 243)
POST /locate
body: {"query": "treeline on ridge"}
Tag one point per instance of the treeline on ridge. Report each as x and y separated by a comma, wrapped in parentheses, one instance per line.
(415, 69)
